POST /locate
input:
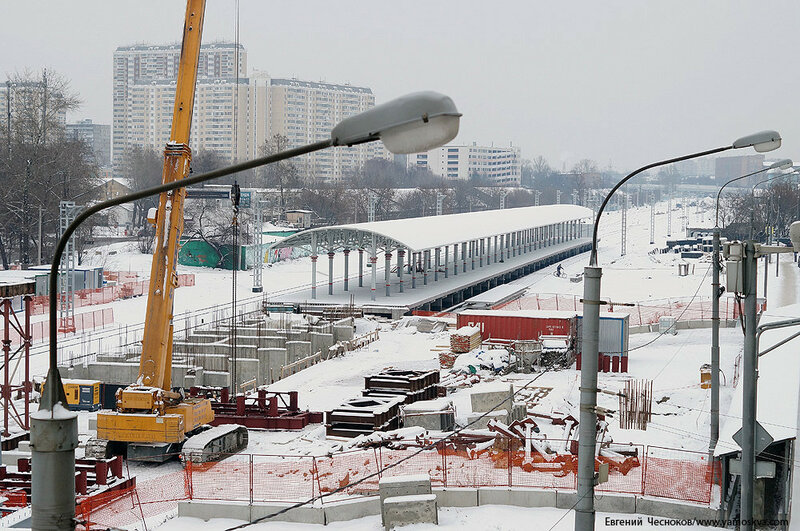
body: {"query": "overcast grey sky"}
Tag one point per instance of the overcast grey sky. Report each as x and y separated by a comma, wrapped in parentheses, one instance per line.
(621, 82)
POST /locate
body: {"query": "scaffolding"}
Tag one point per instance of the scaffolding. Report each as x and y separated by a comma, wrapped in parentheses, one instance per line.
(66, 270)
(19, 332)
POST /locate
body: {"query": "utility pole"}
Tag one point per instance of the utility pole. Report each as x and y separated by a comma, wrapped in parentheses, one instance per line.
(39, 257)
(536, 195)
(258, 233)
(373, 199)
(503, 195)
(66, 284)
(669, 212)
(652, 218)
(440, 203)
(558, 197)
(715, 295)
(587, 426)
(749, 383)
(623, 199)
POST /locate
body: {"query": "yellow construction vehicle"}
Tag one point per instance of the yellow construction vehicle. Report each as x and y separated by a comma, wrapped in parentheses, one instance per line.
(152, 421)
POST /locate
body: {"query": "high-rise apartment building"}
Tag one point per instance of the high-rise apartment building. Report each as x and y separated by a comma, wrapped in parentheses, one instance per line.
(305, 112)
(727, 168)
(144, 92)
(97, 136)
(496, 165)
(16, 97)
(234, 120)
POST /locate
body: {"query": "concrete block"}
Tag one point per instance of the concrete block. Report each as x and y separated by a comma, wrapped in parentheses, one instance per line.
(320, 342)
(409, 485)
(302, 515)
(24, 446)
(518, 497)
(217, 378)
(247, 370)
(343, 333)
(491, 400)
(413, 509)
(566, 500)
(296, 350)
(10, 457)
(438, 420)
(296, 335)
(456, 497)
(482, 423)
(113, 373)
(668, 509)
(273, 342)
(615, 503)
(351, 509)
(207, 510)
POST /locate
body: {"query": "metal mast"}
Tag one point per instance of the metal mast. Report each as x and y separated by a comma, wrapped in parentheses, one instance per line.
(66, 281)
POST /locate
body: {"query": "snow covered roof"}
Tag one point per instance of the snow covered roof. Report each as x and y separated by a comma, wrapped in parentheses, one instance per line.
(778, 381)
(429, 232)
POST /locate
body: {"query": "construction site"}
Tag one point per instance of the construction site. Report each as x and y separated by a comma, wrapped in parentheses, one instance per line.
(432, 366)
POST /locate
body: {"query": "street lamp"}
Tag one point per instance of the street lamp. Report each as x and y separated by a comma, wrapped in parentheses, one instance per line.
(716, 293)
(584, 507)
(416, 122)
(743, 263)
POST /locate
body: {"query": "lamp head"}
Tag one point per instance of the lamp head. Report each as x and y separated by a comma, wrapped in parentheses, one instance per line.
(416, 122)
(784, 164)
(761, 142)
(794, 235)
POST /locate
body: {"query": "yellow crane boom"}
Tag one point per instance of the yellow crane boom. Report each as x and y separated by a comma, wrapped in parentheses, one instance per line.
(149, 411)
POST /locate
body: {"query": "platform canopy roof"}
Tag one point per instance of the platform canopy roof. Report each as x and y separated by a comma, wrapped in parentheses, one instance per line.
(419, 234)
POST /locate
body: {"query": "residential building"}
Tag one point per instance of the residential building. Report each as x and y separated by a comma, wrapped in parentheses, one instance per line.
(727, 168)
(144, 93)
(16, 97)
(97, 136)
(305, 112)
(500, 166)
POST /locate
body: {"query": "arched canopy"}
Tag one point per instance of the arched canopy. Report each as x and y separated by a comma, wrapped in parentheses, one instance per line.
(430, 232)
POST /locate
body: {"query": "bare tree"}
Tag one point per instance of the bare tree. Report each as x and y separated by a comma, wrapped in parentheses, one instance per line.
(283, 174)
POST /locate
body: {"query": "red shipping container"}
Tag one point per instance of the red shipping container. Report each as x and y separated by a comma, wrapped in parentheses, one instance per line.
(615, 364)
(624, 363)
(522, 324)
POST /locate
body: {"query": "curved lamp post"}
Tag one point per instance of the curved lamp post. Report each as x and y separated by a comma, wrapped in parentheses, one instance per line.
(584, 507)
(416, 122)
(716, 293)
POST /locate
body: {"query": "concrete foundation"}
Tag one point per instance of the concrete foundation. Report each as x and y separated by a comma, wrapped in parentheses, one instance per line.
(297, 350)
(406, 510)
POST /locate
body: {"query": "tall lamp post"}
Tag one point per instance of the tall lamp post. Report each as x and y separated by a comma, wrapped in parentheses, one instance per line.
(716, 294)
(584, 507)
(417, 122)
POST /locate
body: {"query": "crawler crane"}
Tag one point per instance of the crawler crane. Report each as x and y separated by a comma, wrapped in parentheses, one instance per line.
(151, 421)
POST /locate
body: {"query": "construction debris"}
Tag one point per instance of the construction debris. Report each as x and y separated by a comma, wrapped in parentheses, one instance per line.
(496, 360)
(437, 414)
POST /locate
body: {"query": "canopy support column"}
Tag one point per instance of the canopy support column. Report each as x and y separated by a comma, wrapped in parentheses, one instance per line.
(400, 266)
(331, 254)
(346, 269)
(360, 267)
(388, 272)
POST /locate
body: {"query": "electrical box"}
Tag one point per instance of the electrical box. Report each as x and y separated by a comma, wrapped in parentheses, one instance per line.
(734, 276)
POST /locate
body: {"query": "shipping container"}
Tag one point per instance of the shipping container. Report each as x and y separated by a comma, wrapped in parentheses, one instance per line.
(520, 324)
(614, 333)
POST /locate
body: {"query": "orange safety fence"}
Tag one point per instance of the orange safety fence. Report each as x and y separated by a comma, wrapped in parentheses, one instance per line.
(82, 321)
(651, 471)
(126, 288)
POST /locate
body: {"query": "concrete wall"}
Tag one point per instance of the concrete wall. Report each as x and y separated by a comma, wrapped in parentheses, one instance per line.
(297, 350)
(450, 497)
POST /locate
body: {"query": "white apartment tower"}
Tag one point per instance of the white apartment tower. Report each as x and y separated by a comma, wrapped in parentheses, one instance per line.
(305, 112)
(498, 165)
(144, 92)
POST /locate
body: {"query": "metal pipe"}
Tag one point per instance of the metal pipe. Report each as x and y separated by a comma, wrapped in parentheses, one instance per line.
(715, 295)
(749, 390)
(587, 427)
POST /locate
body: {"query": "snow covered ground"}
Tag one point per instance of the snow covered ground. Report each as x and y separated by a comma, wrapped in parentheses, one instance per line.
(488, 517)
(680, 406)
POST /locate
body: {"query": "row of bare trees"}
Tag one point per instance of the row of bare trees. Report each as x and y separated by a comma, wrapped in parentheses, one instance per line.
(769, 211)
(39, 165)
